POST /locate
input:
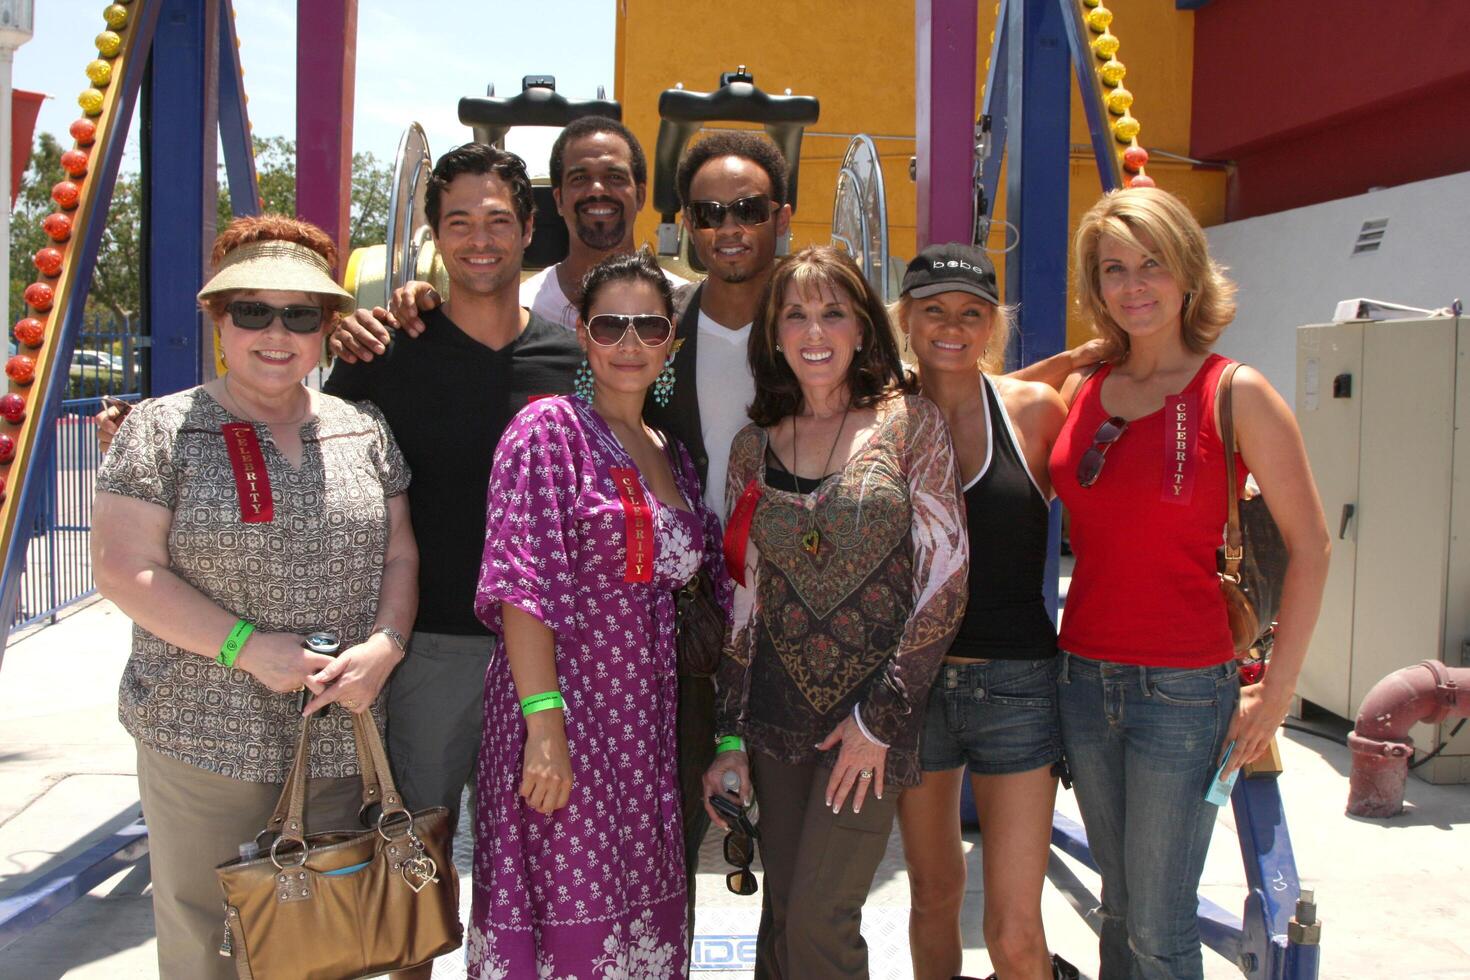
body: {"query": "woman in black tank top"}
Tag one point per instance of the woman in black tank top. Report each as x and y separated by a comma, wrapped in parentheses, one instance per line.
(993, 706)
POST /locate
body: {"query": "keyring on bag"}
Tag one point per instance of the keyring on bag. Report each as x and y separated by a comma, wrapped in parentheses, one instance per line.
(393, 813)
(305, 850)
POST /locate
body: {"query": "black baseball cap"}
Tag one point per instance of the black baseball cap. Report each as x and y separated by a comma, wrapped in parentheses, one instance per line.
(951, 267)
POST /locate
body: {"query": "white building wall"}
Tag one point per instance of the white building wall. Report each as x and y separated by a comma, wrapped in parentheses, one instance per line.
(1293, 266)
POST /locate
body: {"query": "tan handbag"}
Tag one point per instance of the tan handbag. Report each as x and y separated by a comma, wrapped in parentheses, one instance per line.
(1252, 562)
(344, 903)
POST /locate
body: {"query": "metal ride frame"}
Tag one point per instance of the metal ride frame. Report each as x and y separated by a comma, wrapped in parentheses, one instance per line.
(182, 58)
(1027, 96)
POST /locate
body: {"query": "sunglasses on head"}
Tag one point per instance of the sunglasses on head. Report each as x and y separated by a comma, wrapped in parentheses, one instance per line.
(739, 845)
(1089, 468)
(608, 329)
(746, 211)
(248, 314)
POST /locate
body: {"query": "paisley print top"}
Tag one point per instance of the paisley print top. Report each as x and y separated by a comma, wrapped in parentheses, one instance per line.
(317, 564)
(866, 619)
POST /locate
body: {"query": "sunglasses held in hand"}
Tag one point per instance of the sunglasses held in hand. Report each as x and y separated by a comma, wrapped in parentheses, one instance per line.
(739, 845)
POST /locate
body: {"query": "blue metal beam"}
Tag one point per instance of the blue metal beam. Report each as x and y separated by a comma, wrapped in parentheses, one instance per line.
(39, 901)
(234, 121)
(997, 95)
(1038, 155)
(179, 137)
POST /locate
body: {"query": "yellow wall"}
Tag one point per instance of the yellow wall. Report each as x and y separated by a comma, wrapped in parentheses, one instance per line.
(858, 59)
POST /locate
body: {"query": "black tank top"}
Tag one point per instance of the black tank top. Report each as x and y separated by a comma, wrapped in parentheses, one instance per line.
(1006, 616)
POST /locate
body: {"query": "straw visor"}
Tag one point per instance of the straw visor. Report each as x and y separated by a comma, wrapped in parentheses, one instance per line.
(278, 265)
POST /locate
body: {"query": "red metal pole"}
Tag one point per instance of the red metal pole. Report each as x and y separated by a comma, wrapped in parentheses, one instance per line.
(1426, 692)
(326, 63)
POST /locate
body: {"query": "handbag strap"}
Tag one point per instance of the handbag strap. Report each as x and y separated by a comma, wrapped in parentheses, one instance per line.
(289, 817)
(1234, 542)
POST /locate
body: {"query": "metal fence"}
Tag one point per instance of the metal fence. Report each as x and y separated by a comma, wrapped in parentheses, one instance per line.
(107, 361)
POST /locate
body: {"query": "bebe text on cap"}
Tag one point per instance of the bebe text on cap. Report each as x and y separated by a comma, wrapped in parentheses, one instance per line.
(951, 267)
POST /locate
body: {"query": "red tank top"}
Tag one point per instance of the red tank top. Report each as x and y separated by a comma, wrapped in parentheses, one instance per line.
(1145, 589)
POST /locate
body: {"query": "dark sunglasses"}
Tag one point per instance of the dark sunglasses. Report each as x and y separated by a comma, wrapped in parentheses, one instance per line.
(1091, 464)
(746, 211)
(249, 314)
(739, 845)
(608, 329)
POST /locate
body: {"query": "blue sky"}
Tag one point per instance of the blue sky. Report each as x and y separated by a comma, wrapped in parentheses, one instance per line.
(406, 68)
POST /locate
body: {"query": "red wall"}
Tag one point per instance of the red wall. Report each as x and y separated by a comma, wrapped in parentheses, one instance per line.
(1316, 100)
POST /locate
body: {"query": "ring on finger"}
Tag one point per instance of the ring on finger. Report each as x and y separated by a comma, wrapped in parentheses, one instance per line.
(865, 774)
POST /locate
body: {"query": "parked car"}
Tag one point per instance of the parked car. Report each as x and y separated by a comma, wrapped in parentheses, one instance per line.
(95, 363)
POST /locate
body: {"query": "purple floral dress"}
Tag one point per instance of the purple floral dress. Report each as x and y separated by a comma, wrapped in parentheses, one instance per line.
(597, 888)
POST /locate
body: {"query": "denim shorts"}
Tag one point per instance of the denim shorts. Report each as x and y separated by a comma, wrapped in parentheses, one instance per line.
(995, 716)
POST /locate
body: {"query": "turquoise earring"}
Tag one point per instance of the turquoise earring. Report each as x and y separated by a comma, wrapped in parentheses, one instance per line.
(582, 383)
(663, 385)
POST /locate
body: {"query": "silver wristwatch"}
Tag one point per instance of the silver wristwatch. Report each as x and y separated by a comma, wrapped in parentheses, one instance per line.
(398, 638)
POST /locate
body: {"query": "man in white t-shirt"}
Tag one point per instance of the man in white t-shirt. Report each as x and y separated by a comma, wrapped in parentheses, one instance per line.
(733, 186)
(599, 179)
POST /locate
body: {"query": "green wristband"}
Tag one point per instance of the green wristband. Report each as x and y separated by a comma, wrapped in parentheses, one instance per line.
(234, 643)
(541, 702)
(730, 743)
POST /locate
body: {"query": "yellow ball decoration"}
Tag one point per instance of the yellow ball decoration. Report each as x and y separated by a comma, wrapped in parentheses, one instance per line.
(1091, 3)
(109, 43)
(116, 16)
(1099, 18)
(99, 72)
(1112, 71)
(1119, 99)
(91, 101)
(1125, 128)
(1105, 45)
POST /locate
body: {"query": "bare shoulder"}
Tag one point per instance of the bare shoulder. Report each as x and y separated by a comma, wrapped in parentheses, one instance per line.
(1036, 407)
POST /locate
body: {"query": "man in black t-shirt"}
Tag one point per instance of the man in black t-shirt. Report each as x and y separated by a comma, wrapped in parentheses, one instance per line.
(448, 395)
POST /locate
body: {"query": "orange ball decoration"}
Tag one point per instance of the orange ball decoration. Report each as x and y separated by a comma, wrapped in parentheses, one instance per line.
(84, 131)
(74, 162)
(1141, 180)
(1135, 158)
(40, 296)
(57, 226)
(13, 408)
(22, 370)
(48, 261)
(30, 331)
(66, 194)
(7, 449)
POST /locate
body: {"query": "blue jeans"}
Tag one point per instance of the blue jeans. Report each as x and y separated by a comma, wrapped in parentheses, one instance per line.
(1142, 744)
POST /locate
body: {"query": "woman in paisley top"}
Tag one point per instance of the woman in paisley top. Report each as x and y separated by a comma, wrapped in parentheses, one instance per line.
(250, 501)
(594, 520)
(848, 541)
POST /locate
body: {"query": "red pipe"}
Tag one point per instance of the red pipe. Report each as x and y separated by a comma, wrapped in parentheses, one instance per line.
(1426, 692)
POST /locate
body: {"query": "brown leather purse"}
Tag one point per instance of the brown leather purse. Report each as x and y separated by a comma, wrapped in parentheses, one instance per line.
(1252, 562)
(344, 903)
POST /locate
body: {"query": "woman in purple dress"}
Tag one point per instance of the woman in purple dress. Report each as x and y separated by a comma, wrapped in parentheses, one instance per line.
(579, 850)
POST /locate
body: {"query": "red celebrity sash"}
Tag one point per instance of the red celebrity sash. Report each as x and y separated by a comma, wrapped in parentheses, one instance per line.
(1181, 435)
(251, 481)
(737, 532)
(638, 524)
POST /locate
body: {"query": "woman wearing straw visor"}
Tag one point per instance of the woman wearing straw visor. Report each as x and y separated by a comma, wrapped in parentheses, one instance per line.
(232, 520)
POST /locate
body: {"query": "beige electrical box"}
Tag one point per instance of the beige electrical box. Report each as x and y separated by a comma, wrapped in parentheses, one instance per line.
(1384, 409)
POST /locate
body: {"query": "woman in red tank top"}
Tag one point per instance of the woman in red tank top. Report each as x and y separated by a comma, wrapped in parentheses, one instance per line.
(1147, 686)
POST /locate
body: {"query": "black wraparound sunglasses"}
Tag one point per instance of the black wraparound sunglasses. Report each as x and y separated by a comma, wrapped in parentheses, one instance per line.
(1089, 468)
(249, 314)
(746, 211)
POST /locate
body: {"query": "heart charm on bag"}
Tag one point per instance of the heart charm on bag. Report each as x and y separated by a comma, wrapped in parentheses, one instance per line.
(419, 871)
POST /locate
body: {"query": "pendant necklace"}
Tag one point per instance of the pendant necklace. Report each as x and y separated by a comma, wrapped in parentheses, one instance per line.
(811, 541)
(240, 408)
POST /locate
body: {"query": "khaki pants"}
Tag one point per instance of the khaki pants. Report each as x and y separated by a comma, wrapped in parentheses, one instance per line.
(197, 820)
(819, 867)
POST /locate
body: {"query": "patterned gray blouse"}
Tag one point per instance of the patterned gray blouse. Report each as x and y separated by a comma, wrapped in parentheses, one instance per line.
(317, 564)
